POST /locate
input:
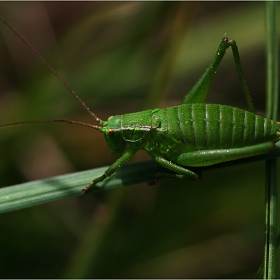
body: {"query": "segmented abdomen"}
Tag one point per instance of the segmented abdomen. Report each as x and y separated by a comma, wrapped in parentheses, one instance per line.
(210, 126)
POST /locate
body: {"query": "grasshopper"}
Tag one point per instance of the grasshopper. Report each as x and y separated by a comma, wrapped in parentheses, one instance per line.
(193, 134)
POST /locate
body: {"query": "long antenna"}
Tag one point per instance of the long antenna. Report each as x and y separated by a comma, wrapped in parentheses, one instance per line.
(53, 120)
(53, 71)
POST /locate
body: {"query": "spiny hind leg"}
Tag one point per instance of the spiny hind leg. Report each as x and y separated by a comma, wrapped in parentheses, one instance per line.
(200, 90)
(211, 157)
(206, 158)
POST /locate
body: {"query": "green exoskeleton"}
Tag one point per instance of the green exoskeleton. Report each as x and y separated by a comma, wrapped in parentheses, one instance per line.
(193, 134)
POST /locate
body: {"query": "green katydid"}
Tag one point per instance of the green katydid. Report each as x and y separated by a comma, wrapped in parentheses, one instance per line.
(193, 134)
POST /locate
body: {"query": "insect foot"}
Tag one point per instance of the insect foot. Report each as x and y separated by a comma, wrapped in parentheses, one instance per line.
(85, 190)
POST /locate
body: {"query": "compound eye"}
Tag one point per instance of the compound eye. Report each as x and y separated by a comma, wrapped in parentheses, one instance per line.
(111, 131)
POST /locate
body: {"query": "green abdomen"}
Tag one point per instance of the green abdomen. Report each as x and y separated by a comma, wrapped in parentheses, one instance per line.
(211, 126)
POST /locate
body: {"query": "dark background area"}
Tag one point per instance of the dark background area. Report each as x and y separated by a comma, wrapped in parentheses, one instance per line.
(123, 57)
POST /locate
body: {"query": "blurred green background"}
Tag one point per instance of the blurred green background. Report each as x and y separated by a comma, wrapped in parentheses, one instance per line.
(122, 57)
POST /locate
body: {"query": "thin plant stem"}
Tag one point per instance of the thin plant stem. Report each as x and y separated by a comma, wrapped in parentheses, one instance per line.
(271, 165)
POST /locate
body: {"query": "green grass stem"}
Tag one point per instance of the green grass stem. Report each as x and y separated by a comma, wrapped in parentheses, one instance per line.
(271, 165)
(43, 191)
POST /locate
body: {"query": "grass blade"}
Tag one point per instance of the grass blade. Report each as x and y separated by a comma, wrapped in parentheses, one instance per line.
(271, 165)
(39, 192)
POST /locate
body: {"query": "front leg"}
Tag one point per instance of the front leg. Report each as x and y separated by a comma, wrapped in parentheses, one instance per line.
(113, 168)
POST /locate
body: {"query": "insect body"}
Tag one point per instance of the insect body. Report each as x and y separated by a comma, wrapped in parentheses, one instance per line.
(192, 134)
